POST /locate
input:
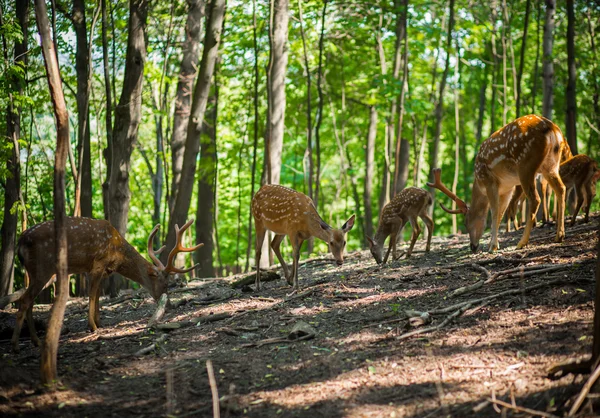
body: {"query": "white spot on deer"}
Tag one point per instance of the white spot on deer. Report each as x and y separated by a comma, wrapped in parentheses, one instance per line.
(497, 160)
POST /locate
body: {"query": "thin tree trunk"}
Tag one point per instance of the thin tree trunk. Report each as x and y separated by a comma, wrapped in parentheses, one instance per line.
(522, 57)
(12, 183)
(571, 86)
(48, 369)
(439, 107)
(596, 82)
(548, 84)
(309, 146)
(255, 132)
(84, 177)
(402, 145)
(369, 170)
(504, 81)
(192, 145)
(107, 152)
(386, 183)
(127, 119)
(456, 136)
(537, 59)
(183, 98)
(320, 108)
(481, 111)
(207, 176)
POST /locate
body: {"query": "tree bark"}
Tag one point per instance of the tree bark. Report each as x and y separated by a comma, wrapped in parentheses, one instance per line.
(255, 132)
(571, 86)
(596, 78)
(522, 57)
(369, 170)
(320, 108)
(83, 119)
(439, 107)
(537, 59)
(183, 97)
(12, 186)
(402, 156)
(548, 67)
(128, 115)
(212, 40)
(107, 152)
(386, 182)
(48, 368)
(207, 178)
(309, 146)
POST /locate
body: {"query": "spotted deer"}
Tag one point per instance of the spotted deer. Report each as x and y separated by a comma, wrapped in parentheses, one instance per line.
(512, 156)
(288, 212)
(94, 247)
(406, 206)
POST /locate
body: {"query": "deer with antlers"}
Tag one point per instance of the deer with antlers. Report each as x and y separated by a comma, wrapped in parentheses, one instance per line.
(512, 156)
(288, 212)
(406, 206)
(94, 247)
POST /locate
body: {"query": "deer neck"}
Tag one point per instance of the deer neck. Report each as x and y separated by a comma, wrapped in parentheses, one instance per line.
(383, 231)
(480, 203)
(134, 266)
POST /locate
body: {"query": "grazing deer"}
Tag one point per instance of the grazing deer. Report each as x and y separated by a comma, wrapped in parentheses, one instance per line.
(407, 205)
(578, 173)
(513, 155)
(288, 212)
(94, 247)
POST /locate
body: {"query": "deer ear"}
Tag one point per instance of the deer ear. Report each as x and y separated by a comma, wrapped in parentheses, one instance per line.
(370, 240)
(349, 224)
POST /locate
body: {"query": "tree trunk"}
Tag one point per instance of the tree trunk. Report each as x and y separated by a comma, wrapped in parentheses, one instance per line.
(127, 119)
(278, 58)
(386, 183)
(12, 186)
(309, 146)
(548, 84)
(571, 88)
(439, 107)
(537, 59)
(48, 368)
(207, 178)
(183, 98)
(83, 119)
(456, 137)
(481, 111)
(522, 57)
(402, 157)
(320, 107)
(200, 99)
(255, 132)
(369, 170)
(107, 152)
(596, 78)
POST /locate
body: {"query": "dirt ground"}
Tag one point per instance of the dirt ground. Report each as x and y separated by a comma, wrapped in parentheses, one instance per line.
(360, 363)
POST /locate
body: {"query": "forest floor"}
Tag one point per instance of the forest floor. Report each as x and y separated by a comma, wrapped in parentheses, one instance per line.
(360, 362)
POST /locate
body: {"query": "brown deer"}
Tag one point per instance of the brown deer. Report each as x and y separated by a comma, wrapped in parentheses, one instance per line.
(288, 212)
(512, 156)
(94, 247)
(513, 208)
(406, 206)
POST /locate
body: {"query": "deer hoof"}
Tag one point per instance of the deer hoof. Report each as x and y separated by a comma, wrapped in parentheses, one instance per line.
(521, 245)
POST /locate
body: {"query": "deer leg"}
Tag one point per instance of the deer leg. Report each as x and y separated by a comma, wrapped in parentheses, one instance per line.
(494, 199)
(275, 245)
(416, 231)
(296, 245)
(588, 197)
(579, 199)
(544, 187)
(31, 327)
(391, 244)
(260, 237)
(94, 308)
(559, 191)
(533, 205)
(429, 224)
(26, 309)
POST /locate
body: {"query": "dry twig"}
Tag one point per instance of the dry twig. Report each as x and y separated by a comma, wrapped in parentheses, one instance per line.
(213, 389)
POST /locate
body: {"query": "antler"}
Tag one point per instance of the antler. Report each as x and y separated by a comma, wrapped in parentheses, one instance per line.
(180, 248)
(437, 184)
(153, 254)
